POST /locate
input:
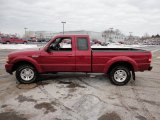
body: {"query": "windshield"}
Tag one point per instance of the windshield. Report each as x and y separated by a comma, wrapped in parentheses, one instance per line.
(43, 46)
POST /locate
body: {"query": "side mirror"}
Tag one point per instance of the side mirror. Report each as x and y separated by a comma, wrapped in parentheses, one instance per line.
(51, 48)
(48, 49)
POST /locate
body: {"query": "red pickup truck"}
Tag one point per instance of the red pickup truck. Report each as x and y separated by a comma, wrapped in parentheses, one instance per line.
(73, 53)
(9, 40)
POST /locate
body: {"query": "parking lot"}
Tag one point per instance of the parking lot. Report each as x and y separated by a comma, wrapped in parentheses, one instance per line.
(80, 96)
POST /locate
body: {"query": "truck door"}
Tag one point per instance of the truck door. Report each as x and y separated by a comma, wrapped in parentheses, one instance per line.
(83, 54)
(61, 57)
(11, 40)
(16, 40)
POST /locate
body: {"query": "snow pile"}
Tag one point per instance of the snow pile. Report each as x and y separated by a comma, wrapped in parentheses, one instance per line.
(111, 45)
(115, 46)
(25, 46)
(17, 46)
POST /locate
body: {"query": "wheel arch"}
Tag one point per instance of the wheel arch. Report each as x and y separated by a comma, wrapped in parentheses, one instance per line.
(7, 41)
(24, 61)
(121, 61)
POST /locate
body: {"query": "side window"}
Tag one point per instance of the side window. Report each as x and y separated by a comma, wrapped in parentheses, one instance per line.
(66, 43)
(62, 44)
(82, 43)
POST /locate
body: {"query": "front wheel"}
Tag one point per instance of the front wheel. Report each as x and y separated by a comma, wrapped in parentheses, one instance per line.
(26, 74)
(120, 75)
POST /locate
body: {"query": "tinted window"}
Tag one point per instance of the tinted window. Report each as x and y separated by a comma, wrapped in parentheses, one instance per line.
(82, 43)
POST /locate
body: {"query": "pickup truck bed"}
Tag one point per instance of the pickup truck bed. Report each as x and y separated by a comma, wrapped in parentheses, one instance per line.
(108, 56)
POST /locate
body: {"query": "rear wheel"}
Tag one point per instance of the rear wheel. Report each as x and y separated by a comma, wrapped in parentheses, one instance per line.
(120, 75)
(26, 74)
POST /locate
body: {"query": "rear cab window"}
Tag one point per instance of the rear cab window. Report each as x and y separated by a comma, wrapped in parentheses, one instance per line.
(82, 43)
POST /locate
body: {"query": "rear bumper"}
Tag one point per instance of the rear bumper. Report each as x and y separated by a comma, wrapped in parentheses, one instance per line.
(144, 66)
(8, 68)
(150, 68)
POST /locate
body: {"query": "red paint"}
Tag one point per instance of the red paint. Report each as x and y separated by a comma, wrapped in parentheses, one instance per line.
(78, 60)
(11, 40)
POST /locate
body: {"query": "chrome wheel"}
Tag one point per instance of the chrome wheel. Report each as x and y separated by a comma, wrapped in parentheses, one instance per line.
(120, 75)
(27, 74)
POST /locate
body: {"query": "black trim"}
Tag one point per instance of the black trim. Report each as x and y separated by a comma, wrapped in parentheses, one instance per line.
(9, 72)
(118, 49)
(150, 68)
(91, 61)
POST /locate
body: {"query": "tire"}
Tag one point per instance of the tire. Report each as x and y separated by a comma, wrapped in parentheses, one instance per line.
(24, 42)
(26, 74)
(120, 75)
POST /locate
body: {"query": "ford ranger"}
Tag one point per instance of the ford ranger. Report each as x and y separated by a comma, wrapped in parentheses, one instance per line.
(73, 53)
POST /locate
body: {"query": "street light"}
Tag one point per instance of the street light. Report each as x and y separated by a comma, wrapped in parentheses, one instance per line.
(110, 35)
(63, 25)
(111, 29)
(25, 32)
(130, 33)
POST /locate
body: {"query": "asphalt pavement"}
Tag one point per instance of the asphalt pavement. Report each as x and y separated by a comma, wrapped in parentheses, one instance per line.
(79, 96)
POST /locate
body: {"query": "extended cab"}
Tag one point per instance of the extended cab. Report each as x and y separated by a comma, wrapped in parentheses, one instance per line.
(73, 53)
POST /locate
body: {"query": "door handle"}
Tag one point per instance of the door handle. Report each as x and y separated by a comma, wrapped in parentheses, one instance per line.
(70, 55)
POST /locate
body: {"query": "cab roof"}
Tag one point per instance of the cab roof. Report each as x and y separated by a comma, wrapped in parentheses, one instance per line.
(71, 35)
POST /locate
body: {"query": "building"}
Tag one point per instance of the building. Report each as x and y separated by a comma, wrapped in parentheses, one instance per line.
(93, 35)
(40, 34)
(50, 34)
(111, 35)
(106, 36)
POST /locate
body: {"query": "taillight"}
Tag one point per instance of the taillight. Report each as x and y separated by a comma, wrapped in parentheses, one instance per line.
(150, 57)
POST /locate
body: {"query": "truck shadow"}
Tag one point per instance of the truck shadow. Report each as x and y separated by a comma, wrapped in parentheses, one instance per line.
(80, 78)
(72, 80)
(69, 75)
(89, 79)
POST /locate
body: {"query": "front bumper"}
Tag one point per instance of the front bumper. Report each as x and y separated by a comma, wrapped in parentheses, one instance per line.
(9, 68)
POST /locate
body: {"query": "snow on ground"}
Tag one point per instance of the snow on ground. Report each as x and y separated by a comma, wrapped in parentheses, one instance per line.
(25, 46)
(111, 45)
(17, 46)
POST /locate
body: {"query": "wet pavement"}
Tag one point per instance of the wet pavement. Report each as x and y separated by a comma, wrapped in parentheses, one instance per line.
(79, 96)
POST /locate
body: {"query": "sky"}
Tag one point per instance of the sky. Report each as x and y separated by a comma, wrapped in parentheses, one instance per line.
(136, 16)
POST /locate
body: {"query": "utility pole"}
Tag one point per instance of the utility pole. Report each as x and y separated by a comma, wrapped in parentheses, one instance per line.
(104, 35)
(110, 35)
(25, 32)
(63, 25)
(130, 33)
